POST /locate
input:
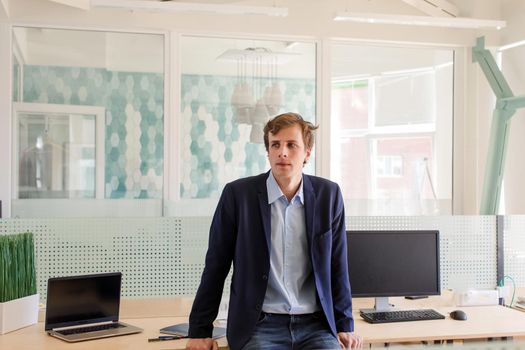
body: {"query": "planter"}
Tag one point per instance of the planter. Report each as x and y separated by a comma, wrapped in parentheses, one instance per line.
(18, 313)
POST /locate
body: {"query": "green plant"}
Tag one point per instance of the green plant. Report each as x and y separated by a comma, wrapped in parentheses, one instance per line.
(17, 266)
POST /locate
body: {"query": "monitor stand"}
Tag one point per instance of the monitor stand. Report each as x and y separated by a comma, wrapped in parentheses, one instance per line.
(381, 304)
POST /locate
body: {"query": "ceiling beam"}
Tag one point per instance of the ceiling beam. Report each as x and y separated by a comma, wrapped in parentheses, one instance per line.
(80, 4)
(434, 8)
(191, 7)
(425, 21)
(5, 7)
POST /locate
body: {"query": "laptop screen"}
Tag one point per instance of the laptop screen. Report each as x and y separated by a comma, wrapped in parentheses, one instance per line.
(79, 300)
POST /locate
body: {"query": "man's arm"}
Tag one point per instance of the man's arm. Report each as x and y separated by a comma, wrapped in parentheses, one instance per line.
(342, 297)
(221, 247)
(350, 340)
(202, 344)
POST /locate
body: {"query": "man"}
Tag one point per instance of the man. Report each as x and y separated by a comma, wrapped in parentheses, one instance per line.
(285, 234)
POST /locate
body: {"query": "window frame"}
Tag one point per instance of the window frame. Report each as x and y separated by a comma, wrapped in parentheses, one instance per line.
(39, 108)
(93, 207)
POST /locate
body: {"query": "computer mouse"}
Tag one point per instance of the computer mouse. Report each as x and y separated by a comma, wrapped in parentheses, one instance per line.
(458, 315)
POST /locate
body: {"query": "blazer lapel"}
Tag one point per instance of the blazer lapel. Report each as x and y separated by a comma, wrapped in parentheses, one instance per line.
(309, 208)
(264, 207)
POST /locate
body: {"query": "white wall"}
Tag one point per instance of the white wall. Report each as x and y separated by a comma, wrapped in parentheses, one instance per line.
(514, 71)
(514, 13)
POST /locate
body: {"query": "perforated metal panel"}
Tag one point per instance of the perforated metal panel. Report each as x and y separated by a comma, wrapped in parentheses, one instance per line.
(165, 256)
(157, 256)
(467, 245)
(514, 248)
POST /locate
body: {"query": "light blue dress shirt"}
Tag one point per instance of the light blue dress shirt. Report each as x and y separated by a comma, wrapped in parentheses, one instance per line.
(291, 285)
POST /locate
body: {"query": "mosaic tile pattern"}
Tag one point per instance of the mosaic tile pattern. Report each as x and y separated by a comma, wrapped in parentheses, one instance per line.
(215, 148)
(134, 103)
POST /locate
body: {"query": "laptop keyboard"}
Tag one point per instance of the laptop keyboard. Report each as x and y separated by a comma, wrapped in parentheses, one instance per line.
(80, 330)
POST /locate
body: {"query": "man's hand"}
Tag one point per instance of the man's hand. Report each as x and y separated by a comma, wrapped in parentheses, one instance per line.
(202, 344)
(349, 340)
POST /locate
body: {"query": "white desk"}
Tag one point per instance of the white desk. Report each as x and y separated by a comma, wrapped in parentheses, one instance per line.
(483, 322)
(34, 338)
(148, 314)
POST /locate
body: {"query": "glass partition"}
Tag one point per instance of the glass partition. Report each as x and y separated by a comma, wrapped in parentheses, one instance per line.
(229, 90)
(119, 74)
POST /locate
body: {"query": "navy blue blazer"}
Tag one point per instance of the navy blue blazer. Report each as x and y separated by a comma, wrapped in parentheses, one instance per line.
(240, 233)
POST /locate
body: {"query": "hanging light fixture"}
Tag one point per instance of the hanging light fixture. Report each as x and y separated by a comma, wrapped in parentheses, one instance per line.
(257, 95)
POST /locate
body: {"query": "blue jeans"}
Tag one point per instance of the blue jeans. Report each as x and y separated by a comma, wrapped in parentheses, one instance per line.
(278, 331)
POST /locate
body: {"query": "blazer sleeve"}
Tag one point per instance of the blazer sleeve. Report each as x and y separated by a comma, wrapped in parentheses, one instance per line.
(342, 297)
(218, 261)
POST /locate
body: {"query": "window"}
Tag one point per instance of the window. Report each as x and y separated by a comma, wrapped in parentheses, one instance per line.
(392, 129)
(389, 166)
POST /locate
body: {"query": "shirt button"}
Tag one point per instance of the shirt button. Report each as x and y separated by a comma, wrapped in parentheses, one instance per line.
(264, 277)
(258, 307)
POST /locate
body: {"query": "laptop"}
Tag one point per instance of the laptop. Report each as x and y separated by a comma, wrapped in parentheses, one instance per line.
(85, 307)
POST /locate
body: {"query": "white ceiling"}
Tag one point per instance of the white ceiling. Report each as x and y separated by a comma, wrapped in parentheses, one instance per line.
(459, 8)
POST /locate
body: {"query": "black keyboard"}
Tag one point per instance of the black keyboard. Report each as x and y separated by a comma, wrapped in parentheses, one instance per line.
(401, 316)
(79, 330)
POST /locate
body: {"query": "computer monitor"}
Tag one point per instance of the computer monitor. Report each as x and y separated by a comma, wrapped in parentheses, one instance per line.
(384, 264)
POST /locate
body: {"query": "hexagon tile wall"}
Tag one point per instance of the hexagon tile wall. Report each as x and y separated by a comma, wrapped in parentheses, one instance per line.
(215, 149)
(134, 105)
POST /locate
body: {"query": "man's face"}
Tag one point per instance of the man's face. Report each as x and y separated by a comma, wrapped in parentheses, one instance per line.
(287, 153)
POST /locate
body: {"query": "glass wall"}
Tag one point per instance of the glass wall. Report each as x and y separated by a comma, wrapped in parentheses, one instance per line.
(392, 112)
(391, 120)
(229, 90)
(120, 73)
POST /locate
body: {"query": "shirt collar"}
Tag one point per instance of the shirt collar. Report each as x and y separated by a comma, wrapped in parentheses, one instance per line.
(274, 191)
